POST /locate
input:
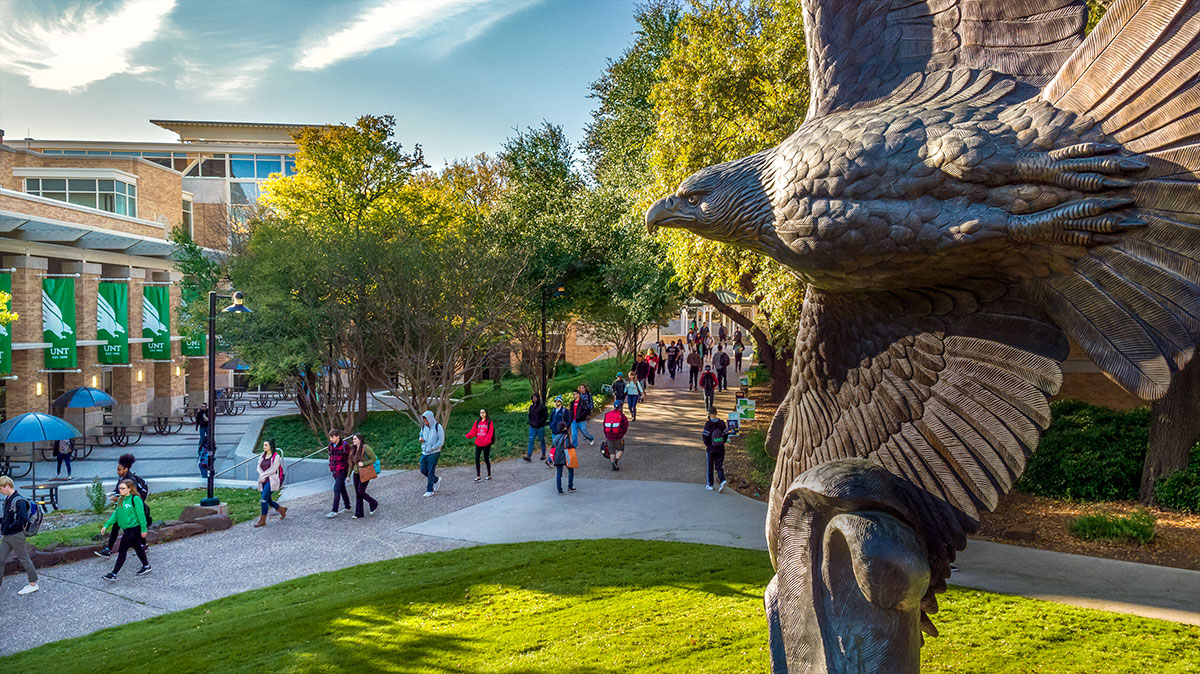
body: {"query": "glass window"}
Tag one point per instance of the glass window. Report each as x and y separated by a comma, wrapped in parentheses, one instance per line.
(243, 193)
(106, 185)
(122, 205)
(54, 152)
(76, 185)
(132, 207)
(187, 217)
(107, 201)
(126, 154)
(156, 154)
(131, 190)
(100, 153)
(74, 153)
(268, 165)
(289, 166)
(241, 166)
(180, 163)
(213, 167)
(32, 184)
(60, 196)
(87, 199)
(56, 184)
(161, 161)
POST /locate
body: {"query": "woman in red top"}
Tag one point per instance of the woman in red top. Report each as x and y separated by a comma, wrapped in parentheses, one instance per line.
(484, 432)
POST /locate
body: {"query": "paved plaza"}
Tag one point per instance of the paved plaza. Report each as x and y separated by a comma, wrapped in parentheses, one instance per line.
(658, 495)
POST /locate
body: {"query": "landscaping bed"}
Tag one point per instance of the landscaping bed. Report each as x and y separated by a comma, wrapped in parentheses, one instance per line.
(589, 607)
(393, 435)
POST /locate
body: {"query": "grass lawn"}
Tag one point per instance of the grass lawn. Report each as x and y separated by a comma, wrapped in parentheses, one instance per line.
(579, 606)
(243, 505)
(394, 437)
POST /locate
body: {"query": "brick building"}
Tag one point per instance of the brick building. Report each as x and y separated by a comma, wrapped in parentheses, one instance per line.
(76, 215)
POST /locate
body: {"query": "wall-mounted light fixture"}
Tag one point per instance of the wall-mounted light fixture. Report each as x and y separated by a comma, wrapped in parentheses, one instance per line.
(178, 371)
(38, 388)
(95, 381)
(139, 375)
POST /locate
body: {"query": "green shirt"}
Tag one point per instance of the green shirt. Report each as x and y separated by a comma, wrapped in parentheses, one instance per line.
(130, 513)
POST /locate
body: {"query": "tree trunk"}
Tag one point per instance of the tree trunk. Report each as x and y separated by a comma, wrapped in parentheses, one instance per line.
(362, 402)
(776, 365)
(1174, 428)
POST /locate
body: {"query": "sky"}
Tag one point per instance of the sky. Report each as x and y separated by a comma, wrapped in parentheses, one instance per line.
(458, 75)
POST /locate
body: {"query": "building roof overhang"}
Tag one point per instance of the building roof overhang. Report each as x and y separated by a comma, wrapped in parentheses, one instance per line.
(25, 227)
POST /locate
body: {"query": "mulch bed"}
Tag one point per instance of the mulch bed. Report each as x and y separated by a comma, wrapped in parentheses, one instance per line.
(1021, 519)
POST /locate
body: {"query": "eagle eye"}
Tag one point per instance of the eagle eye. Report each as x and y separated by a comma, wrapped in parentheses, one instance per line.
(693, 199)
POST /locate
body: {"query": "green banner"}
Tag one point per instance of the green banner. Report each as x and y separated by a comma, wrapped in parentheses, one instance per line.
(6, 330)
(156, 322)
(195, 346)
(112, 322)
(58, 323)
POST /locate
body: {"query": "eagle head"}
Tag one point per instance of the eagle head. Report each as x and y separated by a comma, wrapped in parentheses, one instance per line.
(728, 202)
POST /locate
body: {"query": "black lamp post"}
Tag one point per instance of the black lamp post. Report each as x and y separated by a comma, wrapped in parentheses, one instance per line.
(558, 291)
(238, 307)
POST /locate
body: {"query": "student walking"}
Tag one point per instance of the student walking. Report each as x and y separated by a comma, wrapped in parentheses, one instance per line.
(633, 393)
(433, 436)
(672, 359)
(738, 348)
(362, 458)
(124, 472)
(652, 366)
(722, 333)
(559, 417)
(484, 432)
(203, 450)
(694, 361)
(17, 511)
(708, 382)
(661, 355)
(615, 427)
(715, 430)
(538, 417)
(339, 466)
(642, 369)
(562, 460)
(270, 479)
(62, 452)
(721, 361)
(130, 516)
(618, 388)
(581, 408)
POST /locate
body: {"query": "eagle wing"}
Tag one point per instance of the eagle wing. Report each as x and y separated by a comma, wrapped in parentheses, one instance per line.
(150, 318)
(106, 317)
(863, 50)
(945, 387)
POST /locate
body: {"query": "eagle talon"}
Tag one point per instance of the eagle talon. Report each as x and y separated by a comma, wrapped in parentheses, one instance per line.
(1079, 223)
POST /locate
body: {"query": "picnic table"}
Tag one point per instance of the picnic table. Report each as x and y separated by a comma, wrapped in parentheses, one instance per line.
(229, 407)
(264, 399)
(168, 424)
(49, 490)
(10, 461)
(81, 450)
(119, 433)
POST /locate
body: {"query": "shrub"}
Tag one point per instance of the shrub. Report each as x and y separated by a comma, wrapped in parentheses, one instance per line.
(755, 443)
(1181, 490)
(1103, 526)
(1089, 453)
(96, 496)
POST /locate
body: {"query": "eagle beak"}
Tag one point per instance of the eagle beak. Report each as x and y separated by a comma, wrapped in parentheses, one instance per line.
(661, 213)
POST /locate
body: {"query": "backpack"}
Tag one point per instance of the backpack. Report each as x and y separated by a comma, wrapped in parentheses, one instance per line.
(724, 359)
(34, 521)
(618, 388)
(143, 491)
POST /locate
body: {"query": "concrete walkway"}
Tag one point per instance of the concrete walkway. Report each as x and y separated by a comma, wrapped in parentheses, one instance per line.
(658, 494)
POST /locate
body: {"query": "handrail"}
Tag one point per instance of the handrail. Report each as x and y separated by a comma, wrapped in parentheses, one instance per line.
(306, 456)
(234, 467)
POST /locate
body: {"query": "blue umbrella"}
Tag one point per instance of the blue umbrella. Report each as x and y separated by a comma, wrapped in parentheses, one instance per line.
(35, 427)
(84, 396)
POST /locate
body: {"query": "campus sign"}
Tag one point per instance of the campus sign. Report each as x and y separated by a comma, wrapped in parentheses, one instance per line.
(156, 322)
(112, 323)
(6, 330)
(58, 322)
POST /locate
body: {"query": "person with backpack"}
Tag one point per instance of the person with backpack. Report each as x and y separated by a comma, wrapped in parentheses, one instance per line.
(203, 450)
(634, 391)
(361, 456)
(270, 477)
(339, 469)
(484, 432)
(618, 387)
(642, 370)
(538, 418)
(722, 362)
(651, 366)
(738, 348)
(615, 427)
(432, 437)
(672, 359)
(124, 472)
(722, 333)
(62, 452)
(715, 430)
(708, 382)
(560, 416)
(562, 459)
(694, 361)
(19, 512)
(581, 408)
(130, 516)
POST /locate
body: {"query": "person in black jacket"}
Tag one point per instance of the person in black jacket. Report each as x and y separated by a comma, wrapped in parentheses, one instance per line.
(618, 387)
(673, 358)
(124, 472)
(12, 532)
(538, 416)
(581, 408)
(721, 362)
(202, 450)
(708, 382)
(715, 430)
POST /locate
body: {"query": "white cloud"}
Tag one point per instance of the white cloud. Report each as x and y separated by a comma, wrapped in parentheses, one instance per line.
(450, 23)
(225, 83)
(81, 46)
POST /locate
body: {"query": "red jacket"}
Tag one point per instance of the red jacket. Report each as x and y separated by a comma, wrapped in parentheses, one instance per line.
(615, 424)
(708, 380)
(482, 431)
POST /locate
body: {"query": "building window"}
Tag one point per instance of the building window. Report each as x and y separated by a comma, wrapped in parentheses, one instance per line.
(114, 196)
(187, 217)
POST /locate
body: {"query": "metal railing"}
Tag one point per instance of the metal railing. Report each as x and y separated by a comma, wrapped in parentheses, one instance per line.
(256, 457)
(235, 467)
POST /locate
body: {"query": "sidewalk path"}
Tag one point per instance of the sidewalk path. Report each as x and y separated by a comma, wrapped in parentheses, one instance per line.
(658, 494)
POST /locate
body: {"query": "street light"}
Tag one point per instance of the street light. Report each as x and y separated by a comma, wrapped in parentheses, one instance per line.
(558, 292)
(238, 307)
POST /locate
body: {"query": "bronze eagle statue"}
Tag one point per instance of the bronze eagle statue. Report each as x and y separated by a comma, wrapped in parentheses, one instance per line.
(976, 184)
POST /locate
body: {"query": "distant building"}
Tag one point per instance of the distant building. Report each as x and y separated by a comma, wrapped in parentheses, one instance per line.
(76, 215)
